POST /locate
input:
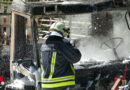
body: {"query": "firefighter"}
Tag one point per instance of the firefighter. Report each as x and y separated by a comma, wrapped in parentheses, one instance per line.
(57, 56)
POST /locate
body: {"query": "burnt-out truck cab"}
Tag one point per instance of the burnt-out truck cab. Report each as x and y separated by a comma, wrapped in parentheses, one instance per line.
(100, 29)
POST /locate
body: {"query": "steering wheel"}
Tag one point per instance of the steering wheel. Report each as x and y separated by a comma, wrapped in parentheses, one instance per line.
(113, 43)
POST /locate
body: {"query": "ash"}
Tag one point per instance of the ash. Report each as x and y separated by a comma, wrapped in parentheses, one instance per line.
(4, 62)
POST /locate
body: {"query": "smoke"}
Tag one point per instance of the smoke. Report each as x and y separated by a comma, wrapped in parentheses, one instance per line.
(115, 34)
(20, 83)
(91, 50)
(121, 30)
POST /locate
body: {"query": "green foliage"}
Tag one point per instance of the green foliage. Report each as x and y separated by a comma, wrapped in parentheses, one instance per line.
(5, 2)
(5, 9)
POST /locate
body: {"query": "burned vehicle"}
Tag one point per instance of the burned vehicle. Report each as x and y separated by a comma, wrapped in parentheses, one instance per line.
(99, 28)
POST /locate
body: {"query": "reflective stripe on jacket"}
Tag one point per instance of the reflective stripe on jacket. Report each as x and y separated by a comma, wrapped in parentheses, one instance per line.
(57, 58)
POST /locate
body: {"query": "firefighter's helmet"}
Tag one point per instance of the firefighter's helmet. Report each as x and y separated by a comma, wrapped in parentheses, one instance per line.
(59, 27)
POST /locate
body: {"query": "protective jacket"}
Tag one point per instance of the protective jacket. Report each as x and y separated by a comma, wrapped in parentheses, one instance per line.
(57, 57)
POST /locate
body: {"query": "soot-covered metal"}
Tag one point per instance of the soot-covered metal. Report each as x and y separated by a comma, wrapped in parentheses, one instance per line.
(102, 24)
(65, 7)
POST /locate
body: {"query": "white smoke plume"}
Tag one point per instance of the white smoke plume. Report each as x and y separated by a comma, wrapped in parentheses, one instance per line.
(91, 47)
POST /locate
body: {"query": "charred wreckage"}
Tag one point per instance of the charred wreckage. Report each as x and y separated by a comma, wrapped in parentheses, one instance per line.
(25, 53)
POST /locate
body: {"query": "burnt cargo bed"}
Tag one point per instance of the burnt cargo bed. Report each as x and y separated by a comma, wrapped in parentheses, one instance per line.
(91, 76)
